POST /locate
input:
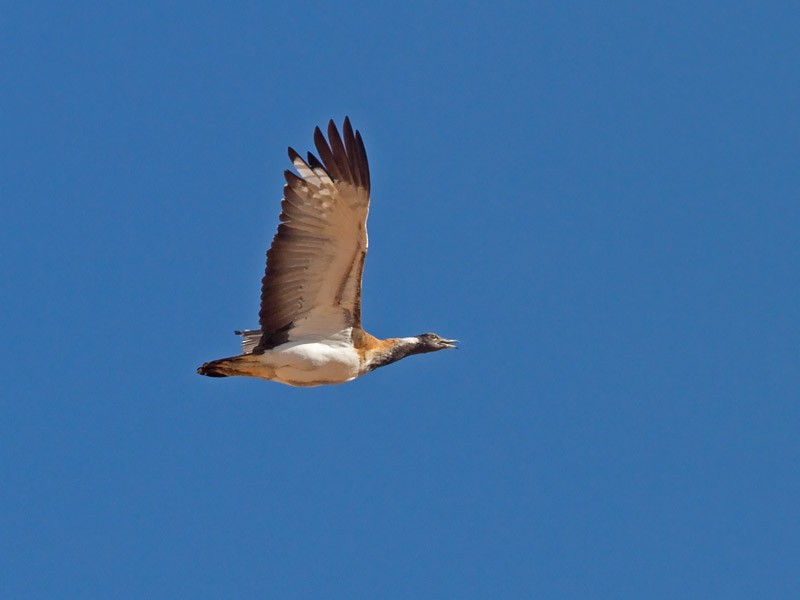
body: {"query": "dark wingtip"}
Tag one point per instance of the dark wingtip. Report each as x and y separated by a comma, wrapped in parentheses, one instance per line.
(314, 162)
(362, 156)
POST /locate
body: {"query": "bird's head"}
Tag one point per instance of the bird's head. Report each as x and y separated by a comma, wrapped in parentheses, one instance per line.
(430, 342)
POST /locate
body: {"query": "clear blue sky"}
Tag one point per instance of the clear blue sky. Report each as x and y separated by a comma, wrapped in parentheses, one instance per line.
(601, 200)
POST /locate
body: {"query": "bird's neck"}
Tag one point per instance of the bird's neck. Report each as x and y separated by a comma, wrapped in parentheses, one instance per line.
(394, 350)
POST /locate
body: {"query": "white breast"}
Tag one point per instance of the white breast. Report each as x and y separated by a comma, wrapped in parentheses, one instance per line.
(312, 363)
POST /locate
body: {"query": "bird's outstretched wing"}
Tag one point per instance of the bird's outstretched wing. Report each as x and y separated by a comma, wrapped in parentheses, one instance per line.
(312, 286)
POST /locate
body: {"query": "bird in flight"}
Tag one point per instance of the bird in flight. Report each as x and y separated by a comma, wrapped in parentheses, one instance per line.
(310, 319)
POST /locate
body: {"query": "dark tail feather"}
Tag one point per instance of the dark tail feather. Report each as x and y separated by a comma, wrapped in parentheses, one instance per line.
(244, 365)
(211, 369)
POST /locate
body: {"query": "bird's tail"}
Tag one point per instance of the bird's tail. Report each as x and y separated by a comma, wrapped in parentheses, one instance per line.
(244, 365)
(217, 368)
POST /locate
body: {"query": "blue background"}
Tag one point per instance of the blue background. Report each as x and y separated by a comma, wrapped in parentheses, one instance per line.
(599, 199)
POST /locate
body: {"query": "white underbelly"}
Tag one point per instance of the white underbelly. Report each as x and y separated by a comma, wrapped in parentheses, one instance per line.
(313, 363)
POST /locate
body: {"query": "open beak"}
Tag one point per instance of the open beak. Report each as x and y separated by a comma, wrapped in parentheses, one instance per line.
(450, 343)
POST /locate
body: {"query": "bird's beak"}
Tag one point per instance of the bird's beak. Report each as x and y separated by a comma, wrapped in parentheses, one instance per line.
(450, 343)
